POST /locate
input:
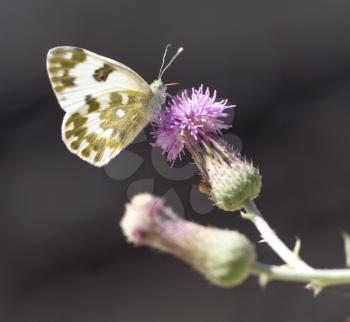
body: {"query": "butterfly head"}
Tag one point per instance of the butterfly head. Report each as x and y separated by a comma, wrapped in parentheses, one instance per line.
(158, 87)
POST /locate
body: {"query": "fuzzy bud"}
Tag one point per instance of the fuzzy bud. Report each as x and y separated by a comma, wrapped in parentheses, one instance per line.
(224, 257)
(232, 180)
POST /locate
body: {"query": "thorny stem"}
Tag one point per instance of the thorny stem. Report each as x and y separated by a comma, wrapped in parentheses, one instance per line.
(316, 278)
(291, 258)
(295, 270)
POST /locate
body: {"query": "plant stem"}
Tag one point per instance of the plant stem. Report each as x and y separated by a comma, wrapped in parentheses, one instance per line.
(291, 258)
(296, 269)
(318, 278)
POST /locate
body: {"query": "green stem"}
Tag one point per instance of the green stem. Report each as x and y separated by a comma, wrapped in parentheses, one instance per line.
(296, 269)
(291, 258)
(316, 277)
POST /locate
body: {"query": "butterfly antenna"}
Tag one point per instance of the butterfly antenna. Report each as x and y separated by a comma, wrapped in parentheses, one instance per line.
(163, 62)
(179, 51)
(172, 84)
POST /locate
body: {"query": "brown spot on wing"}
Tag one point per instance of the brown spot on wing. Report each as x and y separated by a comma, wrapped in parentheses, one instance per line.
(59, 66)
(102, 73)
(92, 103)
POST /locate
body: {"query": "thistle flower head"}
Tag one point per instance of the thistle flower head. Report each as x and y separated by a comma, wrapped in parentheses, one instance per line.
(224, 257)
(189, 117)
(193, 121)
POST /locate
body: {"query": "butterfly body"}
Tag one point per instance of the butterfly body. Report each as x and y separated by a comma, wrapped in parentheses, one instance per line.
(106, 103)
(158, 96)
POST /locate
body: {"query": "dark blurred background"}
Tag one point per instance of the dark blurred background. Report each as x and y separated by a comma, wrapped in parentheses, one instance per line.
(286, 64)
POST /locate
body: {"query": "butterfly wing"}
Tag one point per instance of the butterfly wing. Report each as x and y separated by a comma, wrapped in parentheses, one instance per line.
(105, 102)
(76, 72)
(105, 125)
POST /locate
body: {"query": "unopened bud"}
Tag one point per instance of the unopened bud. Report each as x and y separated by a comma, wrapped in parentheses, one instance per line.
(224, 257)
(232, 179)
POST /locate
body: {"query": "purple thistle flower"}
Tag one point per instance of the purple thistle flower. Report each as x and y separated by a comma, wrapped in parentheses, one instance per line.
(189, 119)
(193, 121)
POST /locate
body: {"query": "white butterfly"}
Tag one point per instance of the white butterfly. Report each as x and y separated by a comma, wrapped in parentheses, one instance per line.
(106, 103)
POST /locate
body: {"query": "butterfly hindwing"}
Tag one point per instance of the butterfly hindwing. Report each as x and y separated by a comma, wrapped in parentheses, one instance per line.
(75, 73)
(105, 125)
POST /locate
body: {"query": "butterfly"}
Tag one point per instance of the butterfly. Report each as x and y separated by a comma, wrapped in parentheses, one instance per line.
(106, 103)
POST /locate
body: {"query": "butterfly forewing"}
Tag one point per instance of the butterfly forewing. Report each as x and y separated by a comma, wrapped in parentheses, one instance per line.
(76, 73)
(105, 125)
(105, 102)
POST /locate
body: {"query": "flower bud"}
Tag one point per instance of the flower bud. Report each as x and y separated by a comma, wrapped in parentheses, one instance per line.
(232, 180)
(224, 257)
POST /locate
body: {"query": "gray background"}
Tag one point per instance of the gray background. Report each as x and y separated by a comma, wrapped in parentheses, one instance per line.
(287, 66)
